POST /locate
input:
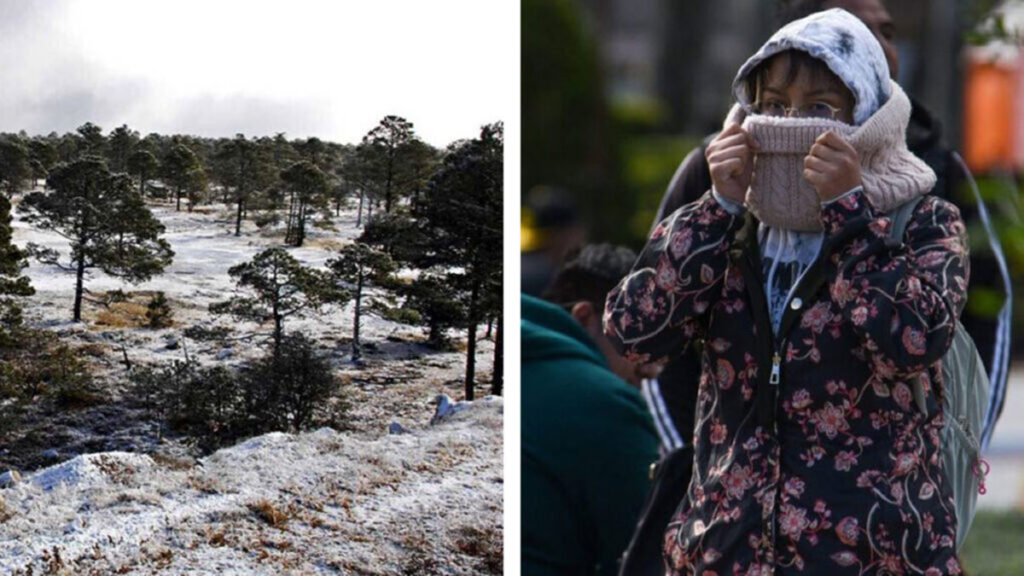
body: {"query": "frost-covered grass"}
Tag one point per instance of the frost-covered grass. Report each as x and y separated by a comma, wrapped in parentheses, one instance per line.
(316, 503)
(123, 497)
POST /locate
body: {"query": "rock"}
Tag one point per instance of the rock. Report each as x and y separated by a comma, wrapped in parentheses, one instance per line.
(396, 428)
(445, 408)
(9, 479)
(172, 343)
(225, 353)
(51, 454)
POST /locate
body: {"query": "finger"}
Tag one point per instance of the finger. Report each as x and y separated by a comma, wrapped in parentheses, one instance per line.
(817, 164)
(728, 141)
(834, 141)
(824, 152)
(728, 168)
(752, 142)
(738, 151)
(814, 177)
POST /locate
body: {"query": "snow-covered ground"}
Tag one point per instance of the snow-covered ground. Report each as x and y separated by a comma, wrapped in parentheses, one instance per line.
(120, 497)
(427, 502)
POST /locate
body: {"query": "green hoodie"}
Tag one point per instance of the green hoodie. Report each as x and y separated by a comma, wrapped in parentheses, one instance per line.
(588, 443)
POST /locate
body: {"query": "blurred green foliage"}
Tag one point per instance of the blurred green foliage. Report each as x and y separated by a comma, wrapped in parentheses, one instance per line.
(649, 163)
(993, 546)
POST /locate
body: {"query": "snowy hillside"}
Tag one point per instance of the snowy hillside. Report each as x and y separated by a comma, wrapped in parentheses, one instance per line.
(108, 488)
(428, 502)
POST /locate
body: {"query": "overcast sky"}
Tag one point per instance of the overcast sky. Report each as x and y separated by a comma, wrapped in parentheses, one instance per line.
(330, 69)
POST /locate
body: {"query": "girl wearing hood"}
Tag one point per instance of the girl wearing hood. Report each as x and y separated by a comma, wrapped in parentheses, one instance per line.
(811, 455)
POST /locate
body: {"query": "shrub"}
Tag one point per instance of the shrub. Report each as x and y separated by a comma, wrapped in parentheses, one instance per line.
(291, 390)
(288, 390)
(158, 311)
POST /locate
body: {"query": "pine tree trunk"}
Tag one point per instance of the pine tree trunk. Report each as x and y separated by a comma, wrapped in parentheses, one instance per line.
(497, 382)
(177, 195)
(142, 186)
(79, 288)
(301, 236)
(356, 346)
(238, 218)
(471, 344)
(490, 327)
(359, 212)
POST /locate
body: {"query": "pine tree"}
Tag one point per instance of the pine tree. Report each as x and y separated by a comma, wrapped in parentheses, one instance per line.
(244, 167)
(142, 164)
(42, 156)
(394, 161)
(12, 284)
(281, 287)
(307, 186)
(439, 307)
(179, 169)
(91, 140)
(357, 265)
(461, 211)
(121, 142)
(15, 168)
(105, 221)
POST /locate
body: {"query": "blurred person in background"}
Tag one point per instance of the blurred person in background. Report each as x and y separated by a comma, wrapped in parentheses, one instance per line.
(550, 229)
(809, 454)
(675, 390)
(581, 287)
(587, 437)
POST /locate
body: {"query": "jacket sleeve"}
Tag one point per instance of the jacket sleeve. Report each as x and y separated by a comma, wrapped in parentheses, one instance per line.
(666, 298)
(903, 301)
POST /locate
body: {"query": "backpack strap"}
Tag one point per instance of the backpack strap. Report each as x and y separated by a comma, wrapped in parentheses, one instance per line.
(900, 218)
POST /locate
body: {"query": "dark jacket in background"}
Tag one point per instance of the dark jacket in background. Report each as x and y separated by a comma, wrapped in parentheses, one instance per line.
(587, 447)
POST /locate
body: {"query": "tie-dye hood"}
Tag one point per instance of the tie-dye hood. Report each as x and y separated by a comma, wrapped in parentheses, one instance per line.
(844, 44)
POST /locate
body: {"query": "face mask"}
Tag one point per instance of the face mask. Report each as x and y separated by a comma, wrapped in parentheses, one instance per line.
(779, 195)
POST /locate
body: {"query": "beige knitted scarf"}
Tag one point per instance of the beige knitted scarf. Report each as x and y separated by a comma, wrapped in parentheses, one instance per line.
(780, 197)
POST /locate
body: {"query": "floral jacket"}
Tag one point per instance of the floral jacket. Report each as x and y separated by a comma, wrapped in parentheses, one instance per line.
(810, 454)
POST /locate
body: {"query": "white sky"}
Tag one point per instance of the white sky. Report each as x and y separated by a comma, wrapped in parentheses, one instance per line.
(330, 69)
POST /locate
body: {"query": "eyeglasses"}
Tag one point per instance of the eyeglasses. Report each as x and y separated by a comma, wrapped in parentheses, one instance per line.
(818, 110)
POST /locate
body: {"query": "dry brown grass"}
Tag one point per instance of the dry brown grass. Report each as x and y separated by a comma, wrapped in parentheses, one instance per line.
(273, 516)
(128, 314)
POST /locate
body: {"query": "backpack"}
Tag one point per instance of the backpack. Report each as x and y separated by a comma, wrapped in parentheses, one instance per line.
(965, 400)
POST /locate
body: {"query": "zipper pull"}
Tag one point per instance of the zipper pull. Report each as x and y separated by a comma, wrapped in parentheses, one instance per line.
(776, 362)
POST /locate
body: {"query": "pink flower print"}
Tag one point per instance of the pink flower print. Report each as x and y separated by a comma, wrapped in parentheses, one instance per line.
(845, 558)
(718, 432)
(903, 395)
(680, 242)
(913, 341)
(905, 462)
(794, 487)
(738, 481)
(896, 490)
(725, 374)
(816, 318)
(843, 291)
(859, 315)
(845, 459)
(646, 305)
(665, 277)
(792, 521)
(830, 420)
(848, 531)
(953, 567)
(891, 564)
(801, 399)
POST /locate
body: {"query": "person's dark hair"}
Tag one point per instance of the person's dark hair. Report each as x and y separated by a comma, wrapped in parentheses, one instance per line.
(796, 60)
(590, 274)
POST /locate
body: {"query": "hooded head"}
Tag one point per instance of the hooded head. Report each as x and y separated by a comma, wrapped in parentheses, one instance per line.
(843, 43)
(828, 52)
